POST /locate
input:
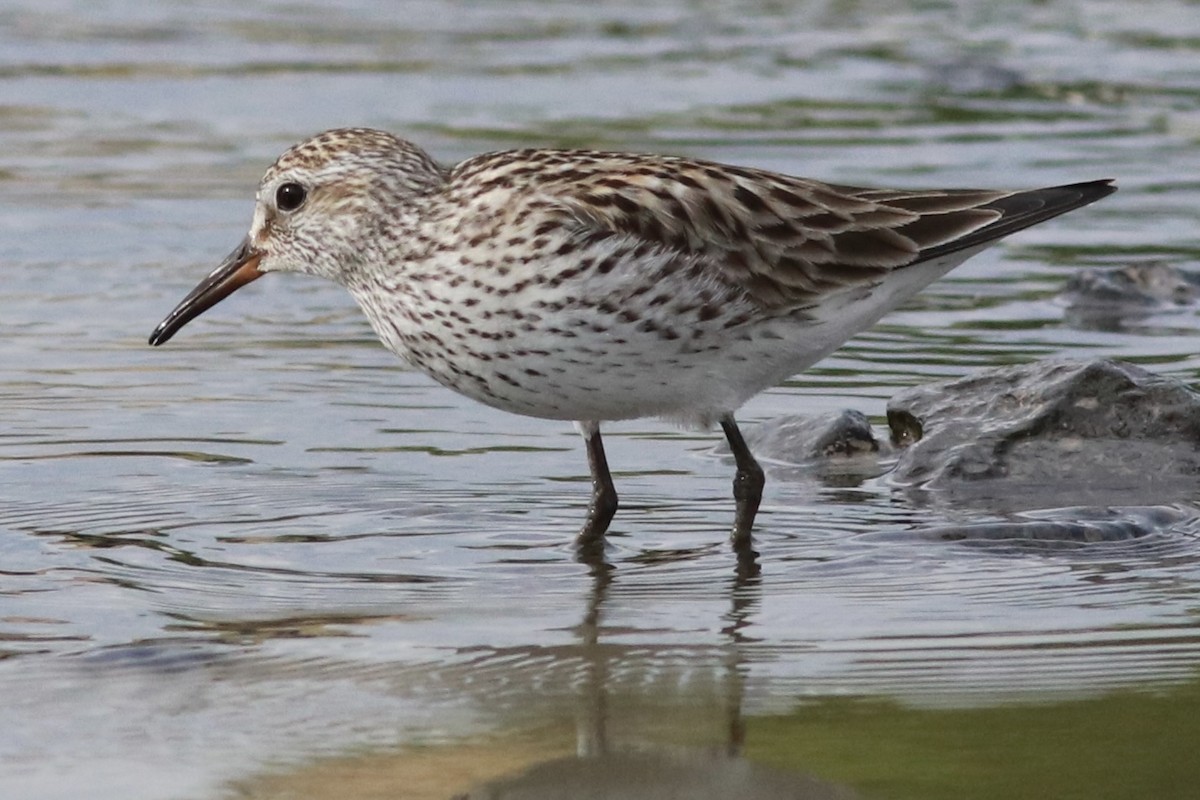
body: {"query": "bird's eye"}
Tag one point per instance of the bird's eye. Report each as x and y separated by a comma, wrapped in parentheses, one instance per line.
(290, 196)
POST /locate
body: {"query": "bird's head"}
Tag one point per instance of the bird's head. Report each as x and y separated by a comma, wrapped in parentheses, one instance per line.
(322, 208)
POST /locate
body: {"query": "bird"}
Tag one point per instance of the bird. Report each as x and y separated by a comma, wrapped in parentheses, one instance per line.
(592, 286)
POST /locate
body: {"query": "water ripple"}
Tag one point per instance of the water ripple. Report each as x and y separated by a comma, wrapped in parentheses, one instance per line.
(269, 540)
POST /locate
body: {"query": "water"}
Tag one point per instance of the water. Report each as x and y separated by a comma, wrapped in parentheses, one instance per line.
(264, 561)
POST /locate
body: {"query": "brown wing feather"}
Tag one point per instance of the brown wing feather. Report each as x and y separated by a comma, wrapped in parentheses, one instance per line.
(786, 241)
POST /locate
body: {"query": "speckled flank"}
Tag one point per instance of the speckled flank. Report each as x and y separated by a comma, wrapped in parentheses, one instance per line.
(596, 286)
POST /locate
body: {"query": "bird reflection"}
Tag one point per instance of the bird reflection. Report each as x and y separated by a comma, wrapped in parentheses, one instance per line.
(610, 770)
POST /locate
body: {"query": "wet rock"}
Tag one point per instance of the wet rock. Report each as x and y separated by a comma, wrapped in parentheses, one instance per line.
(1051, 434)
(804, 439)
(1056, 527)
(1149, 284)
(973, 75)
(837, 450)
(1105, 298)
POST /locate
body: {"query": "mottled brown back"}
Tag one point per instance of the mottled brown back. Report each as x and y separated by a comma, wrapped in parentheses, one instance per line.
(785, 241)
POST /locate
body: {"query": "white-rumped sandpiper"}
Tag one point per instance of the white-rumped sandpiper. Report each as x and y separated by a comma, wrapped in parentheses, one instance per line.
(596, 286)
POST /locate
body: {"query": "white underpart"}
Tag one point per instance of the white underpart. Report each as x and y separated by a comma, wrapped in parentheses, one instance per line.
(515, 356)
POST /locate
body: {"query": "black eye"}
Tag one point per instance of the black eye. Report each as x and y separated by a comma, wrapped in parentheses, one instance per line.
(290, 196)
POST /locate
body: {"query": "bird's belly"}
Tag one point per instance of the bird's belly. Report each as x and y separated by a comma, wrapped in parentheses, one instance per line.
(686, 351)
(570, 371)
(653, 336)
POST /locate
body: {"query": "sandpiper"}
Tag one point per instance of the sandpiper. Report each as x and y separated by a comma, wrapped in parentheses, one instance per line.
(594, 286)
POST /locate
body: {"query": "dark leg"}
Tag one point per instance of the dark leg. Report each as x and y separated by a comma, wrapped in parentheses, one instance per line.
(747, 486)
(604, 494)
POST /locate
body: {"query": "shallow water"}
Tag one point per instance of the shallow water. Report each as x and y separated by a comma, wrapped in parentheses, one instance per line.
(266, 560)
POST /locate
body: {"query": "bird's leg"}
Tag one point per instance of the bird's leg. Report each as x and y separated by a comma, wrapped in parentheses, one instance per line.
(747, 486)
(604, 494)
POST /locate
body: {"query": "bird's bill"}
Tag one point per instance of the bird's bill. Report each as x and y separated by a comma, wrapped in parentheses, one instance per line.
(239, 268)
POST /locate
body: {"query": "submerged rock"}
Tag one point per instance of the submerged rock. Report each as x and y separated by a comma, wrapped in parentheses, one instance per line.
(1107, 298)
(1053, 434)
(973, 74)
(1136, 286)
(1054, 528)
(805, 439)
(838, 449)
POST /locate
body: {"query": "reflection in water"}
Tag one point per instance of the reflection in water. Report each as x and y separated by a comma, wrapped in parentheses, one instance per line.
(744, 601)
(593, 740)
(640, 769)
(645, 775)
(592, 736)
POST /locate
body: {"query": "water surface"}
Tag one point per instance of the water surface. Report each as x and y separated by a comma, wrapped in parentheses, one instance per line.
(266, 559)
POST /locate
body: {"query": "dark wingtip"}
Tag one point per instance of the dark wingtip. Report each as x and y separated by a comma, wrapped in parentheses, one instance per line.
(1021, 210)
(1091, 191)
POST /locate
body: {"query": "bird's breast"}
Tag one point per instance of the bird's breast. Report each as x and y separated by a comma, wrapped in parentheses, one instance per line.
(601, 329)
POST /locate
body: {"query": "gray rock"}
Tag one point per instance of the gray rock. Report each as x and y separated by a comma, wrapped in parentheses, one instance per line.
(835, 449)
(804, 439)
(1052, 529)
(1114, 299)
(1135, 286)
(1051, 434)
(973, 74)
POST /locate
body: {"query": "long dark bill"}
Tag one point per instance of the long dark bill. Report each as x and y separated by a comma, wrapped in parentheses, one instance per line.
(239, 268)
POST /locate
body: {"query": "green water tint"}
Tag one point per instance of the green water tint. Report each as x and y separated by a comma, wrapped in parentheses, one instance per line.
(1136, 743)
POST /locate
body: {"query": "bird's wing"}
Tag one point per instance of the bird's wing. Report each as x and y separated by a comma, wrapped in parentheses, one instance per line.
(785, 241)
